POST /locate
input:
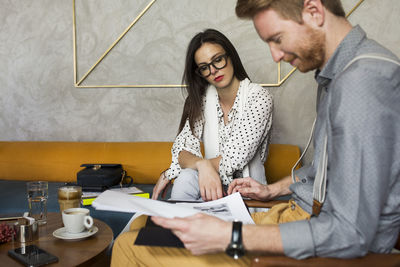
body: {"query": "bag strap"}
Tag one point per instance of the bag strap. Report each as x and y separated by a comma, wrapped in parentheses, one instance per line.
(319, 187)
(371, 56)
(304, 151)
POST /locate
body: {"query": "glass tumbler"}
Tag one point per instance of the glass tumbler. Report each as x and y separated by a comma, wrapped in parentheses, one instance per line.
(37, 193)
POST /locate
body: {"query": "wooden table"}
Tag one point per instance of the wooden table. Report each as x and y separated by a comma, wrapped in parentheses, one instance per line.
(69, 253)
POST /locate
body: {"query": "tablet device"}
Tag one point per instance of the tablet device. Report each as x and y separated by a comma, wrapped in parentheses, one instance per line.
(12, 216)
(32, 255)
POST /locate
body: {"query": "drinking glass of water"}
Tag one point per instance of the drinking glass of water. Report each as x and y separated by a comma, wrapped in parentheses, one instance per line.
(37, 200)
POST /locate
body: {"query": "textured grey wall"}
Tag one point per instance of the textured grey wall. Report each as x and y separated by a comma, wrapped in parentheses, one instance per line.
(39, 101)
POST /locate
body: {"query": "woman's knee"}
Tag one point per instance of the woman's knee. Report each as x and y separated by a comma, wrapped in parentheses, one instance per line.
(186, 176)
(186, 186)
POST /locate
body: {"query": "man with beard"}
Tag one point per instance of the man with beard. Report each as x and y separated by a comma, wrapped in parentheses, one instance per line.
(356, 159)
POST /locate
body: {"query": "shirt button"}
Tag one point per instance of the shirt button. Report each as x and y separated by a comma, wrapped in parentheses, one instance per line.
(304, 180)
(293, 207)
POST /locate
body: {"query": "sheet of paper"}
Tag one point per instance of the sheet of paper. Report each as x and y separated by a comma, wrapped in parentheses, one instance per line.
(89, 194)
(228, 208)
(126, 190)
(116, 201)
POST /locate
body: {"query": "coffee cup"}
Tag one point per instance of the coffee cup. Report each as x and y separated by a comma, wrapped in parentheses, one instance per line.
(76, 220)
(69, 197)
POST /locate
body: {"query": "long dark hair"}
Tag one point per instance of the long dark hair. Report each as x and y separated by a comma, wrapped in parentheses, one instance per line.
(196, 85)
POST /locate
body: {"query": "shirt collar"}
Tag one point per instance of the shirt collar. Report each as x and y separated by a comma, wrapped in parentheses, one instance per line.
(235, 105)
(234, 108)
(346, 50)
(220, 114)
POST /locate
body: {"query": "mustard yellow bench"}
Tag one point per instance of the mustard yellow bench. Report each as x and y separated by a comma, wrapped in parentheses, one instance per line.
(144, 161)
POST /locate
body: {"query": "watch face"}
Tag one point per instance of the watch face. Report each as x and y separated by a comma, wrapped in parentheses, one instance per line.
(235, 251)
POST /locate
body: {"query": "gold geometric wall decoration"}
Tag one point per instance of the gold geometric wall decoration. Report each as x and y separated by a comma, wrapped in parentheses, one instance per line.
(77, 83)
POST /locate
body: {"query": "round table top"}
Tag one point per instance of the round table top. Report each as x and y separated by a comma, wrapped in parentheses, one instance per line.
(69, 253)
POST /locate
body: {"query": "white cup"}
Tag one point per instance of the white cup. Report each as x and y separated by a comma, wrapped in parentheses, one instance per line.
(76, 220)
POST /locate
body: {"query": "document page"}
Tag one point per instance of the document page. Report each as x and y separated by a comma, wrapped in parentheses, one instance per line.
(228, 208)
(127, 190)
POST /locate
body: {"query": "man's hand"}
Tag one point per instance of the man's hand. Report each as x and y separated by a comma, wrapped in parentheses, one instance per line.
(248, 187)
(161, 186)
(209, 181)
(200, 233)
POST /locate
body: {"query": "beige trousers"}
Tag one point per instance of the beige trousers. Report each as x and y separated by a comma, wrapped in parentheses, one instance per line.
(125, 253)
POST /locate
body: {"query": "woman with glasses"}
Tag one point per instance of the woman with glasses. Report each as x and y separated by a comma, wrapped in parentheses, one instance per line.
(228, 113)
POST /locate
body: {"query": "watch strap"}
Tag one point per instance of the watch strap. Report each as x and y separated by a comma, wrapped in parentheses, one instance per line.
(236, 233)
(235, 248)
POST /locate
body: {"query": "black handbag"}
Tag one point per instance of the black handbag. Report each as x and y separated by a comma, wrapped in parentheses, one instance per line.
(99, 177)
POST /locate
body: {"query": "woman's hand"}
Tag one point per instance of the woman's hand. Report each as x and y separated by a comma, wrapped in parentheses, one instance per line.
(248, 187)
(199, 233)
(161, 186)
(209, 181)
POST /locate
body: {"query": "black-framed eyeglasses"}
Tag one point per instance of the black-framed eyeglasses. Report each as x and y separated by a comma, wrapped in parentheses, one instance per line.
(218, 63)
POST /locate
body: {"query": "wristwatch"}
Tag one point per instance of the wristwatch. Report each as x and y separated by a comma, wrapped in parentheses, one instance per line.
(235, 249)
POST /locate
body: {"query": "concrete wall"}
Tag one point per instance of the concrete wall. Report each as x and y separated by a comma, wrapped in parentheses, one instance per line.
(39, 101)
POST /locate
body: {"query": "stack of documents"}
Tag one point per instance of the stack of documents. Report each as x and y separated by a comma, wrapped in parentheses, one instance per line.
(89, 197)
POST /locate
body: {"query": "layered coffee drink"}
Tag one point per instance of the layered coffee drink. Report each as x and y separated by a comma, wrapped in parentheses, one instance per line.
(69, 197)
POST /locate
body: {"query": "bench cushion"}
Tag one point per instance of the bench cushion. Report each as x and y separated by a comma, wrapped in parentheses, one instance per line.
(144, 161)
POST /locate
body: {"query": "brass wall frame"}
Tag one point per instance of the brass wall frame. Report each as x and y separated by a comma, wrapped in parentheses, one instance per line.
(77, 83)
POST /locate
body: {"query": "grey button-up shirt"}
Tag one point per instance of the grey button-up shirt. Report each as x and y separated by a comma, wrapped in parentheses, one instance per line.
(360, 112)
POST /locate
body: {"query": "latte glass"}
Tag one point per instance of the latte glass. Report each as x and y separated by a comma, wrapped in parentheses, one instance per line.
(69, 197)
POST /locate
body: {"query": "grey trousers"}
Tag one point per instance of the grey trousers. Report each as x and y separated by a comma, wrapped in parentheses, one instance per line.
(186, 186)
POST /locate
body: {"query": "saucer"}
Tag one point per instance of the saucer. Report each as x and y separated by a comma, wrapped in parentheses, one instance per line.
(62, 233)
